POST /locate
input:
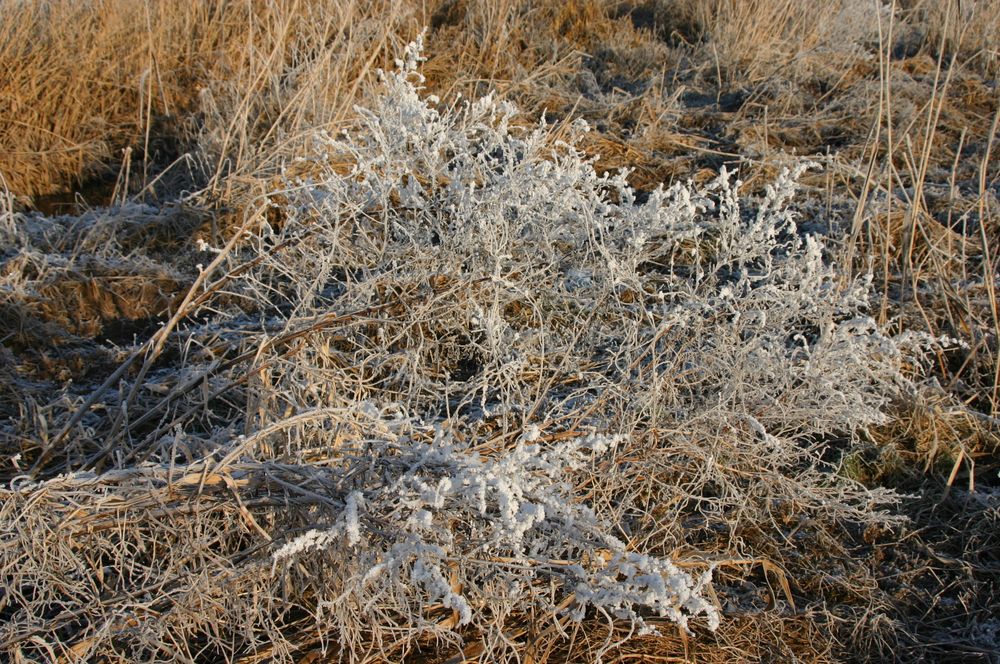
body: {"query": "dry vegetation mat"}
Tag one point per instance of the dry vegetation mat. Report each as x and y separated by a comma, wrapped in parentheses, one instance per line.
(608, 332)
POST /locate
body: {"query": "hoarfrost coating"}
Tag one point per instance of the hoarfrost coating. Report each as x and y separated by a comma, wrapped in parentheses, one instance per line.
(691, 308)
(514, 507)
(476, 381)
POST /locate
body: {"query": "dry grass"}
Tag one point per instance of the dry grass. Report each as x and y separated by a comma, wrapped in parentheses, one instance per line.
(85, 81)
(191, 116)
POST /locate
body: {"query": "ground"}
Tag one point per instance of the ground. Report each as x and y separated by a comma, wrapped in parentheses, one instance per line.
(170, 280)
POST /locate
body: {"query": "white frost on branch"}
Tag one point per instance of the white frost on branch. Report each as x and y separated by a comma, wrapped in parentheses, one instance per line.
(514, 507)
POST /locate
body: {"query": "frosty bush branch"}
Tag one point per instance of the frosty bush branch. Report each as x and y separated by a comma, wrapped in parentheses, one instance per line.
(476, 536)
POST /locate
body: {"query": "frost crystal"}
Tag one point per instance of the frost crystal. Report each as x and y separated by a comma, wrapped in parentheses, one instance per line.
(352, 524)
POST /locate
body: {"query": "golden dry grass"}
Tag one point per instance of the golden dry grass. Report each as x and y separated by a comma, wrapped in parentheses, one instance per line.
(84, 81)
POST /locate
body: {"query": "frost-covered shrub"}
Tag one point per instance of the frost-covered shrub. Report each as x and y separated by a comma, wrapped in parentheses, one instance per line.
(512, 254)
(480, 273)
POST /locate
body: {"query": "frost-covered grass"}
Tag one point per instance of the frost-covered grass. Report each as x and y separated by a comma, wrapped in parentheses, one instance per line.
(478, 383)
(445, 387)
